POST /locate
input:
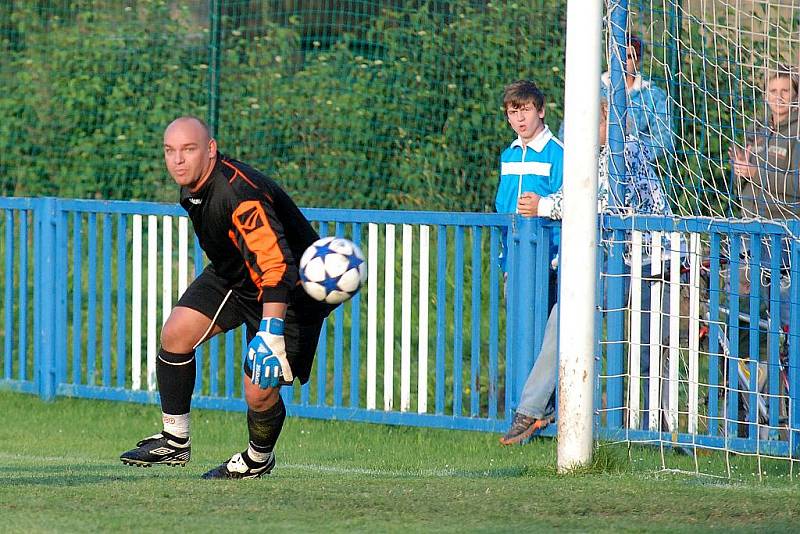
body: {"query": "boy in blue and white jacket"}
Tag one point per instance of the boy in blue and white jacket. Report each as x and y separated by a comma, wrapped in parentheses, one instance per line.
(642, 194)
(531, 169)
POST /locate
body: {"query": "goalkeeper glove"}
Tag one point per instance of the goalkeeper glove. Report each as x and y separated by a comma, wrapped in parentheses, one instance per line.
(266, 355)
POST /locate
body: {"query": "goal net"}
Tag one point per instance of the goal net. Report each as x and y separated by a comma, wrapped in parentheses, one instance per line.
(698, 290)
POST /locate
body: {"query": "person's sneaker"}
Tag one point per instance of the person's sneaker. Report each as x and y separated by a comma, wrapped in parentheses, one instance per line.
(523, 428)
(158, 449)
(236, 467)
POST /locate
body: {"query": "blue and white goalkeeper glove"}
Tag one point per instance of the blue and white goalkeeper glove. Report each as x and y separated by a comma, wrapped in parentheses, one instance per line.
(266, 355)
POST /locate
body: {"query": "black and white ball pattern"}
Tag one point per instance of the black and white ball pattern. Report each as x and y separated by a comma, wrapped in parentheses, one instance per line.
(332, 269)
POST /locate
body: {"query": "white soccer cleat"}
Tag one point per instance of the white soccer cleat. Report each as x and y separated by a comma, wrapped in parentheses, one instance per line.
(237, 468)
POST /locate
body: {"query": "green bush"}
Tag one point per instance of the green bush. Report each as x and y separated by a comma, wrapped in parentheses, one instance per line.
(91, 94)
(401, 111)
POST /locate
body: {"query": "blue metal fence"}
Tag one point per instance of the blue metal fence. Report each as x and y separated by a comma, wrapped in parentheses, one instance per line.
(431, 340)
(82, 318)
(736, 389)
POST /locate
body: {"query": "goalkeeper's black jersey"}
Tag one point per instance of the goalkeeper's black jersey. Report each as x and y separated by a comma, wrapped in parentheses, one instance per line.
(250, 229)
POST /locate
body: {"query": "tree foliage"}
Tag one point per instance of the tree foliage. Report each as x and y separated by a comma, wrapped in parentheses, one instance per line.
(403, 110)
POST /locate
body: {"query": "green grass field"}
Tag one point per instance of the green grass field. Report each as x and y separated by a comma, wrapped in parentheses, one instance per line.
(59, 472)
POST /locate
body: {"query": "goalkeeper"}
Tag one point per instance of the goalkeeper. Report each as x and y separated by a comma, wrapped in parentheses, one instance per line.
(252, 233)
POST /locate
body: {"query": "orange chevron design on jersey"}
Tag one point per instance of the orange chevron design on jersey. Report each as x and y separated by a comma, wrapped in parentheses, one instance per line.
(259, 244)
(251, 219)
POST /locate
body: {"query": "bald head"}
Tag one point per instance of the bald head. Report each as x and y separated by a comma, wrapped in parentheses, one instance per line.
(190, 123)
(189, 151)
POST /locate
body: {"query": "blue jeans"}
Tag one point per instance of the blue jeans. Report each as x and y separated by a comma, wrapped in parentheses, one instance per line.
(541, 381)
(536, 398)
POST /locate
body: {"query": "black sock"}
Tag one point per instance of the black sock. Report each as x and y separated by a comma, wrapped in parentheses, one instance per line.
(175, 374)
(265, 427)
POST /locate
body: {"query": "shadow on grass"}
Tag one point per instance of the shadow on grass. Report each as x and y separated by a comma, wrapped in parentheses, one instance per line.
(68, 475)
(501, 472)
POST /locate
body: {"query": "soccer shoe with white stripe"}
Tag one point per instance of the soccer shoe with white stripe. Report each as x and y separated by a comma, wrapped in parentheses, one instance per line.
(236, 467)
(158, 449)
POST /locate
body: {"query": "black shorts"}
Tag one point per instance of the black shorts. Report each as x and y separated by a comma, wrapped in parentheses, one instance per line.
(302, 326)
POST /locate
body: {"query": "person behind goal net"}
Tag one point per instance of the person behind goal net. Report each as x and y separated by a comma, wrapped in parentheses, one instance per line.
(766, 169)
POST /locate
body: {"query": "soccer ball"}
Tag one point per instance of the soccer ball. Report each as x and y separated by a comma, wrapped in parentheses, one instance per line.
(332, 269)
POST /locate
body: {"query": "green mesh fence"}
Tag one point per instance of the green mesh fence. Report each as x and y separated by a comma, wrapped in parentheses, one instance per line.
(348, 104)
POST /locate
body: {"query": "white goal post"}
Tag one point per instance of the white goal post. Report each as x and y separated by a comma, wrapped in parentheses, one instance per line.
(578, 237)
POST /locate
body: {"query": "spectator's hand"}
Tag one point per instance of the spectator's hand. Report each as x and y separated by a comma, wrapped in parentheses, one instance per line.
(528, 204)
(740, 159)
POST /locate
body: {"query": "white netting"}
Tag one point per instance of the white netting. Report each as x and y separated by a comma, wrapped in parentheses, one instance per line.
(714, 60)
(713, 109)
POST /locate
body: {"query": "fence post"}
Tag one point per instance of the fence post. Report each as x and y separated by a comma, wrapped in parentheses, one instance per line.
(794, 343)
(521, 292)
(214, 63)
(542, 270)
(45, 305)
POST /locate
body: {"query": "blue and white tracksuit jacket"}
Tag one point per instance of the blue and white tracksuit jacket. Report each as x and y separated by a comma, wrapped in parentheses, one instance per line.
(537, 167)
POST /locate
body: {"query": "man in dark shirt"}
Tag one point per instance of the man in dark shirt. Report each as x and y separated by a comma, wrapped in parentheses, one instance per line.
(253, 235)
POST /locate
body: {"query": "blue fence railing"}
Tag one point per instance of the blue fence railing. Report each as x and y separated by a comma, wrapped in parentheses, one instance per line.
(430, 340)
(438, 336)
(719, 355)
